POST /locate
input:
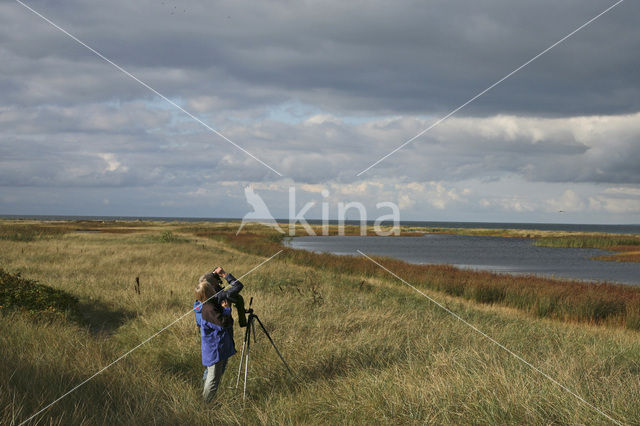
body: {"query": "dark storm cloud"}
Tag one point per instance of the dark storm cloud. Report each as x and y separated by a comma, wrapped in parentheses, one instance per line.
(375, 57)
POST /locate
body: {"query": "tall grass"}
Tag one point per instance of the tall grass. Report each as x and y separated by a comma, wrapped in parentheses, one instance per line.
(627, 246)
(364, 348)
(588, 241)
(31, 232)
(565, 300)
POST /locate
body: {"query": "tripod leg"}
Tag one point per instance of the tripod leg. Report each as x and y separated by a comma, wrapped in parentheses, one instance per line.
(253, 326)
(246, 364)
(244, 345)
(273, 344)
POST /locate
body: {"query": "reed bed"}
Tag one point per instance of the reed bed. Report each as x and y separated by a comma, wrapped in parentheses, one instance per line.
(608, 242)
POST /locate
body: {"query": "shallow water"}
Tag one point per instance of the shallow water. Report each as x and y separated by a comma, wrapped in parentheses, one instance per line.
(497, 254)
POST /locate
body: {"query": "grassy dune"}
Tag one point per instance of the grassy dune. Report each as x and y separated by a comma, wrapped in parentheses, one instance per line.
(365, 348)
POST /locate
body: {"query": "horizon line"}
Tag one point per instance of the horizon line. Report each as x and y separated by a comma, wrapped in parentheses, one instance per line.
(285, 220)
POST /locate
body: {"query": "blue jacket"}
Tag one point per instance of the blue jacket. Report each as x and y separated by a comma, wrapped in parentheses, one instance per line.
(216, 342)
(216, 327)
(197, 309)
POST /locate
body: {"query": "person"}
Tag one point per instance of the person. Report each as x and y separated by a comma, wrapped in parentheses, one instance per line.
(213, 316)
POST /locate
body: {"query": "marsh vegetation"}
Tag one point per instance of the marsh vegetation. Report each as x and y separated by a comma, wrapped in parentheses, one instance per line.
(364, 346)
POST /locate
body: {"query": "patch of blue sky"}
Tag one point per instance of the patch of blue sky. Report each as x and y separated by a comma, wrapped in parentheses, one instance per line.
(292, 112)
(176, 124)
(297, 112)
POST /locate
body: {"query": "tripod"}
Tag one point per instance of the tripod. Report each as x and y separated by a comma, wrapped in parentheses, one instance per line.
(247, 344)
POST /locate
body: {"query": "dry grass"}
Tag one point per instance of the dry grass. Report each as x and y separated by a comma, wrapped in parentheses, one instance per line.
(612, 304)
(625, 255)
(368, 350)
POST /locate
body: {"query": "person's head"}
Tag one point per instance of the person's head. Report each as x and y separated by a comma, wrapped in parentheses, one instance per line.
(213, 279)
(206, 289)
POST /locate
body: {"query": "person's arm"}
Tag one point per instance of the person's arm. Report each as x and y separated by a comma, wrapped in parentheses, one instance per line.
(235, 285)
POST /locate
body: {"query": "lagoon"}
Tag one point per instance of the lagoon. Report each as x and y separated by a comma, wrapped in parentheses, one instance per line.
(495, 254)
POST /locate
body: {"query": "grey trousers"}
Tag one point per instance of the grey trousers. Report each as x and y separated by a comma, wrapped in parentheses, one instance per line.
(212, 379)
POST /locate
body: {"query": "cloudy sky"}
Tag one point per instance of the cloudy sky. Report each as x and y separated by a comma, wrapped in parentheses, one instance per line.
(319, 91)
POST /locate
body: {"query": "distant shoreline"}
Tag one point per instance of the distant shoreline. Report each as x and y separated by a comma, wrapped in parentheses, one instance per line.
(563, 227)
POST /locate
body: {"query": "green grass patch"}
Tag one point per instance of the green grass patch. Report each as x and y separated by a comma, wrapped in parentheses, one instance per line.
(25, 233)
(169, 237)
(18, 293)
(588, 241)
(166, 237)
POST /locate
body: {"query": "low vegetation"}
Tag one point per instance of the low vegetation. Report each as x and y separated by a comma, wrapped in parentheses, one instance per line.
(364, 347)
(608, 242)
(41, 301)
(628, 247)
(613, 304)
(31, 232)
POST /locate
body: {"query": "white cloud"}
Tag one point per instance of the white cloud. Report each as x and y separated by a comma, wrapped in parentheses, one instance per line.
(569, 201)
(405, 202)
(616, 200)
(615, 205)
(440, 197)
(514, 204)
(112, 163)
(317, 188)
(625, 191)
(322, 119)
